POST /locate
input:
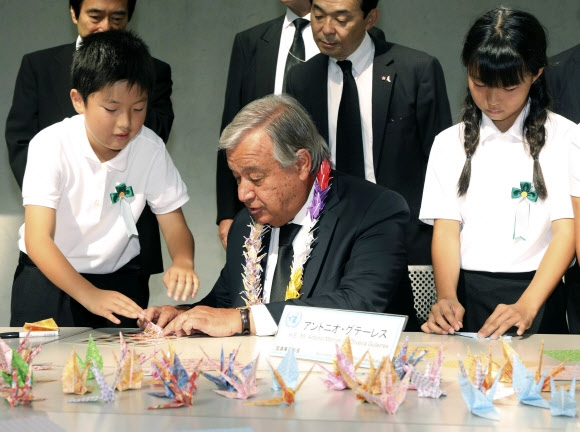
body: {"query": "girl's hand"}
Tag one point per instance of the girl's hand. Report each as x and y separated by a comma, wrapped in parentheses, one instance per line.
(446, 317)
(106, 303)
(181, 281)
(505, 317)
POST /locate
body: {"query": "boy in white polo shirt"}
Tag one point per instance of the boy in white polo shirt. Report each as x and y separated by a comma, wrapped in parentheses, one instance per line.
(86, 183)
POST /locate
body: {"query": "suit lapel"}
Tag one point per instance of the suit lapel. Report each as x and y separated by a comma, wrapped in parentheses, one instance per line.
(267, 58)
(63, 63)
(384, 77)
(324, 234)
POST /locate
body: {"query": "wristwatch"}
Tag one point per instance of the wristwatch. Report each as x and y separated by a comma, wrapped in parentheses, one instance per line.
(245, 315)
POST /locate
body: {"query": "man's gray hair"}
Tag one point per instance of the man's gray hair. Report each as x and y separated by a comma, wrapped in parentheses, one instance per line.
(287, 124)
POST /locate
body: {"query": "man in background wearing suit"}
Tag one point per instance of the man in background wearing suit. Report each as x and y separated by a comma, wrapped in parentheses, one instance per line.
(257, 68)
(563, 80)
(42, 98)
(357, 259)
(399, 104)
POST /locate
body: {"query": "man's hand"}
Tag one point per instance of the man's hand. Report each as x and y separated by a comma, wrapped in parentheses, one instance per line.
(208, 320)
(106, 303)
(223, 230)
(160, 315)
(181, 281)
(446, 317)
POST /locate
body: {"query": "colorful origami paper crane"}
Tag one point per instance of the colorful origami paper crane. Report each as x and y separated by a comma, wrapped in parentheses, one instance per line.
(344, 358)
(26, 351)
(131, 372)
(73, 377)
(427, 384)
(552, 373)
(284, 380)
(479, 402)
(563, 402)
(527, 389)
(21, 395)
(391, 395)
(18, 375)
(402, 360)
(107, 393)
(93, 356)
(243, 383)
(179, 386)
(152, 329)
(228, 371)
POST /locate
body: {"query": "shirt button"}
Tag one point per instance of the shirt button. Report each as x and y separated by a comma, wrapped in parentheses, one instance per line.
(97, 202)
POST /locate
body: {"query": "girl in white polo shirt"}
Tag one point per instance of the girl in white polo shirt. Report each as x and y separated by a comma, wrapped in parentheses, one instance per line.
(496, 190)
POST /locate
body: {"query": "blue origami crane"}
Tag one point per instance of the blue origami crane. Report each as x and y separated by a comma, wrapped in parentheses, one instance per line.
(478, 402)
(525, 385)
(563, 403)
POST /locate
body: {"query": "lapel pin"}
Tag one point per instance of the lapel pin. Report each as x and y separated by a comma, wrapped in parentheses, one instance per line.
(386, 78)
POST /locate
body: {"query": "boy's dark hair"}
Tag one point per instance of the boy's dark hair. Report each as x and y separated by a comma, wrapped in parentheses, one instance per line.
(501, 48)
(76, 7)
(105, 58)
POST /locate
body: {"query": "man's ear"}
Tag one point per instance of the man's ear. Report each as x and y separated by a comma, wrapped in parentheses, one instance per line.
(73, 16)
(304, 163)
(372, 18)
(77, 101)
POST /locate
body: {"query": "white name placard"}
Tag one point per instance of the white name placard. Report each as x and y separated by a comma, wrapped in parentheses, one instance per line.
(313, 333)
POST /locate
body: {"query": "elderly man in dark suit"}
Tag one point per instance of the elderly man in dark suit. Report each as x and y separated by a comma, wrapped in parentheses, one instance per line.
(42, 98)
(563, 80)
(260, 57)
(348, 250)
(399, 104)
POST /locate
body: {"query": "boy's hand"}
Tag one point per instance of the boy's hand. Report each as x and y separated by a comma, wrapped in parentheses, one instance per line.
(181, 281)
(445, 317)
(106, 303)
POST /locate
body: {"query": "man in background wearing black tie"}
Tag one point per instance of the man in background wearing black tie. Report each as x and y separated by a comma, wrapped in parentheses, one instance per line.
(343, 249)
(379, 105)
(260, 58)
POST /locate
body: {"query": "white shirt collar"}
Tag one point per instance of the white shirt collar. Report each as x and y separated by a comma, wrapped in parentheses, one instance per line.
(362, 56)
(291, 16)
(489, 129)
(79, 41)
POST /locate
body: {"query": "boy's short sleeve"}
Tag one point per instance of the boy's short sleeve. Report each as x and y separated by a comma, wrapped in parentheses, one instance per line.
(44, 169)
(166, 191)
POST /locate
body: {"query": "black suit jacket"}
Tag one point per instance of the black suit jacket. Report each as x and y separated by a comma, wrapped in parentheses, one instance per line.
(563, 79)
(359, 260)
(252, 75)
(410, 107)
(42, 98)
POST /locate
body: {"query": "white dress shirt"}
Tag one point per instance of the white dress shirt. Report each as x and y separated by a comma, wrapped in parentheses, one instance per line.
(362, 71)
(487, 211)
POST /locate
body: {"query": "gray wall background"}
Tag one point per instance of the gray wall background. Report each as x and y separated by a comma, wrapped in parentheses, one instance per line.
(195, 38)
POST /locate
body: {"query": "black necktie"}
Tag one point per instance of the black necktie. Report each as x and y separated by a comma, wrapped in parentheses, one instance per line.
(349, 143)
(297, 52)
(284, 264)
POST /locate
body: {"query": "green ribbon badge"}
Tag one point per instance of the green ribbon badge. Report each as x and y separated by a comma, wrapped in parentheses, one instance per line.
(522, 216)
(122, 192)
(525, 192)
